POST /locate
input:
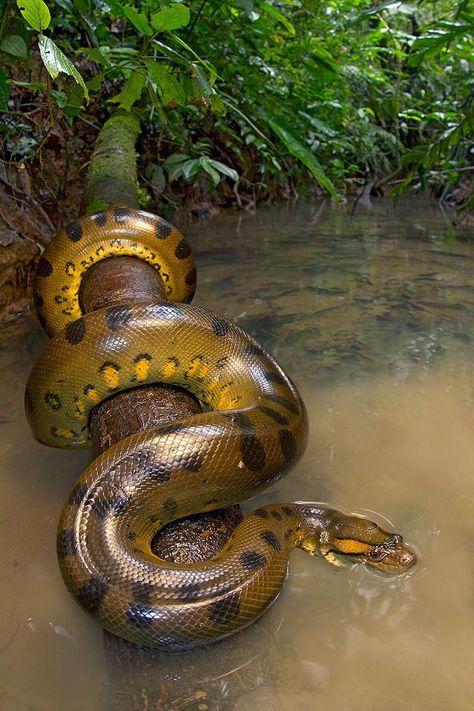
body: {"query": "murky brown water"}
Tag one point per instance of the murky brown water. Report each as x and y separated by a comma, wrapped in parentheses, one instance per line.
(374, 318)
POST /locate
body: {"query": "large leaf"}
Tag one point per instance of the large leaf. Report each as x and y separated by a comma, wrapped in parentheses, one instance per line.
(170, 18)
(56, 61)
(36, 13)
(301, 151)
(138, 20)
(170, 90)
(14, 45)
(131, 91)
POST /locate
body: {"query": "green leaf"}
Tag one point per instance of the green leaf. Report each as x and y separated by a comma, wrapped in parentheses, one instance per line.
(191, 168)
(225, 169)
(318, 125)
(206, 164)
(14, 45)
(56, 61)
(36, 13)
(131, 92)
(138, 20)
(170, 18)
(4, 91)
(301, 151)
(276, 15)
(169, 88)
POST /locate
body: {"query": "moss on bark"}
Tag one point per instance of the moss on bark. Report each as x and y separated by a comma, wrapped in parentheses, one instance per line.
(112, 173)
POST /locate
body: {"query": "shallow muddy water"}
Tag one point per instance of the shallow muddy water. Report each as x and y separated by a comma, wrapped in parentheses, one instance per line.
(373, 317)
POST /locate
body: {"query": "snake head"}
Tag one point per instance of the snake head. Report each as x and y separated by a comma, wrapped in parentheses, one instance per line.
(359, 540)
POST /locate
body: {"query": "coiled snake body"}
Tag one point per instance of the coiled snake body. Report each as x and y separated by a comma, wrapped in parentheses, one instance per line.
(253, 430)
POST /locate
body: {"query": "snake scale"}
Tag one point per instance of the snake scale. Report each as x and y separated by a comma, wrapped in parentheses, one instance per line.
(252, 431)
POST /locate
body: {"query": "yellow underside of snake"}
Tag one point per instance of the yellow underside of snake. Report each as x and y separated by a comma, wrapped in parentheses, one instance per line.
(252, 431)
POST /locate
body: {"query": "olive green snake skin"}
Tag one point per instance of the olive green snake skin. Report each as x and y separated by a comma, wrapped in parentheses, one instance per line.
(252, 432)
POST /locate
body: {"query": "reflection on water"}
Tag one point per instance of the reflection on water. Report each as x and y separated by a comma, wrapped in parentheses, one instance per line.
(373, 318)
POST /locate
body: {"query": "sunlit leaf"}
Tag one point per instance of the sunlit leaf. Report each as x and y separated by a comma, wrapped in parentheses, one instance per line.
(56, 61)
(36, 13)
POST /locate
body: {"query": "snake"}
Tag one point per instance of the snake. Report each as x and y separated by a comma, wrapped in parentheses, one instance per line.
(252, 430)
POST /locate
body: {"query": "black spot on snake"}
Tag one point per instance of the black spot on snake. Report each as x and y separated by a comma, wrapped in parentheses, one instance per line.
(92, 592)
(253, 350)
(131, 535)
(241, 420)
(143, 356)
(75, 331)
(191, 277)
(252, 560)
(189, 592)
(52, 400)
(225, 610)
(270, 538)
(163, 229)
(252, 451)
(100, 218)
(161, 472)
(280, 400)
(287, 510)
(272, 377)
(117, 317)
(66, 543)
(122, 214)
(222, 362)
(262, 513)
(183, 250)
(88, 388)
(77, 494)
(142, 591)
(140, 615)
(276, 416)
(288, 445)
(69, 268)
(108, 364)
(74, 231)
(220, 326)
(276, 515)
(194, 462)
(44, 268)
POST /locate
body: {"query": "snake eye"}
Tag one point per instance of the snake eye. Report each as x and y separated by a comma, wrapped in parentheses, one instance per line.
(377, 553)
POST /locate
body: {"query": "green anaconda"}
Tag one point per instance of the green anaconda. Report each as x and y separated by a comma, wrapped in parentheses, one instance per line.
(252, 432)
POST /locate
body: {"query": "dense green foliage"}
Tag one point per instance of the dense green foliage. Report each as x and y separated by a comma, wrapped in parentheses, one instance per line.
(283, 95)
